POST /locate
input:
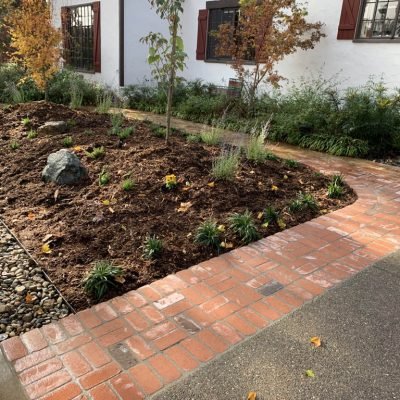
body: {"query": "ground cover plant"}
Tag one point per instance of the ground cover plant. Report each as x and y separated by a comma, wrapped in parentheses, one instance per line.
(174, 216)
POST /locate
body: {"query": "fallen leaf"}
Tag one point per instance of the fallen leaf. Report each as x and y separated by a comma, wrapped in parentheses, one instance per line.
(301, 182)
(285, 177)
(77, 148)
(106, 202)
(260, 215)
(56, 193)
(316, 341)
(46, 248)
(211, 184)
(31, 216)
(28, 298)
(111, 210)
(281, 224)
(226, 245)
(119, 279)
(274, 188)
(185, 206)
(310, 373)
(266, 225)
(252, 172)
(252, 396)
(47, 238)
(221, 228)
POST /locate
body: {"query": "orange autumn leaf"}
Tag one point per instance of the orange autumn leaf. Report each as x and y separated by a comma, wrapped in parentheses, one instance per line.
(316, 341)
(46, 248)
(28, 298)
(31, 216)
(252, 396)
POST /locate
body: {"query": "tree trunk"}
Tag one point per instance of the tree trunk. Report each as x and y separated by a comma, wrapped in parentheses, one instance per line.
(172, 76)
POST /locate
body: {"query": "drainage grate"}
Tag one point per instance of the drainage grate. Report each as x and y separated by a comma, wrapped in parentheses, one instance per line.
(270, 288)
(123, 355)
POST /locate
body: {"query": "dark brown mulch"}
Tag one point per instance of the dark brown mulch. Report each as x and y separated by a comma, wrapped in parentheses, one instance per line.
(84, 229)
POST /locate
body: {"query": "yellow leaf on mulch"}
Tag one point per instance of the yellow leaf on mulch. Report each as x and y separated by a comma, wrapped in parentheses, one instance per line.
(252, 396)
(221, 228)
(119, 279)
(310, 373)
(77, 148)
(274, 188)
(281, 224)
(31, 216)
(185, 206)
(260, 215)
(316, 341)
(46, 248)
(226, 245)
(211, 184)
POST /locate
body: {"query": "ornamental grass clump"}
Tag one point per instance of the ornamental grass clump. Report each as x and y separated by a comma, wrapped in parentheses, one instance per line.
(211, 137)
(208, 234)
(128, 184)
(225, 166)
(304, 201)
(101, 278)
(335, 187)
(243, 225)
(152, 247)
(68, 141)
(97, 152)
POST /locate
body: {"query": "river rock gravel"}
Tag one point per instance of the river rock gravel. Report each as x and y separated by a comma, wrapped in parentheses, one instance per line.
(27, 299)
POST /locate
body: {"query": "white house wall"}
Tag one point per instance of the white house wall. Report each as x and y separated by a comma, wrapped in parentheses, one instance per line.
(355, 62)
(109, 38)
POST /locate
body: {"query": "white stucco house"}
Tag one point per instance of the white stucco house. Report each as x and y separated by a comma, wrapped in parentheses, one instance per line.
(102, 40)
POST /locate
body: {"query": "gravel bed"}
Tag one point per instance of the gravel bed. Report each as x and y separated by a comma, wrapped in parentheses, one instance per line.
(27, 299)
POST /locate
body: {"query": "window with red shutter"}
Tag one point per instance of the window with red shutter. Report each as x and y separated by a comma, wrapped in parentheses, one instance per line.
(348, 19)
(96, 37)
(202, 35)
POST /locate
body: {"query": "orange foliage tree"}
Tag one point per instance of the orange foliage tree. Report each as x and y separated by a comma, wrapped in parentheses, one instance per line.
(266, 32)
(35, 41)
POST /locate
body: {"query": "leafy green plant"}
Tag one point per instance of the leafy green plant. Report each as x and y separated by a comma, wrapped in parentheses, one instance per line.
(26, 122)
(117, 120)
(158, 130)
(125, 132)
(271, 156)
(226, 165)
(303, 202)
(193, 138)
(104, 177)
(212, 136)
(68, 141)
(96, 153)
(270, 215)
(243, 225)
(208, 234)
(335, 187)
(14, 145)
(16, 93)
(104, 102)
(128, 184)
(291, 163)
(152, 247)
(32, 135)
(71, 123)
(77, 94)
(101, 278)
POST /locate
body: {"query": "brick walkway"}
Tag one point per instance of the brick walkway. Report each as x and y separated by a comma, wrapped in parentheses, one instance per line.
(134, 345)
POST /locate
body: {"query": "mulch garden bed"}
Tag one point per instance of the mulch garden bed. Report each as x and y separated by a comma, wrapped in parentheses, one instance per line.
(89, 222)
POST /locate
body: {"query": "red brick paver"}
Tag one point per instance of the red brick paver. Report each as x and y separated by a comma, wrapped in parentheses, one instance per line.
(174, 325)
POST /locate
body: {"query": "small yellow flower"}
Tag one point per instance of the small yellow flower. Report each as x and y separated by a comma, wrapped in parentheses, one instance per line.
(170, 181)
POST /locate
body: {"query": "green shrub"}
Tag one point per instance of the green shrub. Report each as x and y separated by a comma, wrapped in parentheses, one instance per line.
(270, 215)
(152, 247)
(212, 136)
(226, 165)
(128, 184)
(255, 149)
(101, 278)
(26, 122)
(76, 94)
(193, 138)
(303, 202)
(104, 102)
(335, 187)
(68, 141)
(158, 130)
(208, 234)
(291, 163)
(104, 177)
(244, 227)
(32, 135)
(117, 120)
(97, 152)
(125, 132)
(14, 145)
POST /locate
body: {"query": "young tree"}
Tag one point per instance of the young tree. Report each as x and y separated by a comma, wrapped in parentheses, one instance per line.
(166, 55)
(35, 41)
(266, 32)
(6, 8)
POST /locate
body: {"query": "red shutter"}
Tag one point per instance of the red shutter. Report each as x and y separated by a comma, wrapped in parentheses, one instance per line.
(202, 35)
(96, 37)
(348, 19)
(65, 18)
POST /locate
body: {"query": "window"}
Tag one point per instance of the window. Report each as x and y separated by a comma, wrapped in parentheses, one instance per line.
(380, 20)
(81, 36)
(217, 17)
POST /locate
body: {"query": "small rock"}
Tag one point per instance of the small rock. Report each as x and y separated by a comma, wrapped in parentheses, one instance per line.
(4, 308)
(64, 168)
(20, 290)
(53, 127)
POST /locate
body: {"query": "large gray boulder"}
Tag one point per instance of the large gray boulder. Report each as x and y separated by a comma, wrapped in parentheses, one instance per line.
(53, 127)
(64, 168)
